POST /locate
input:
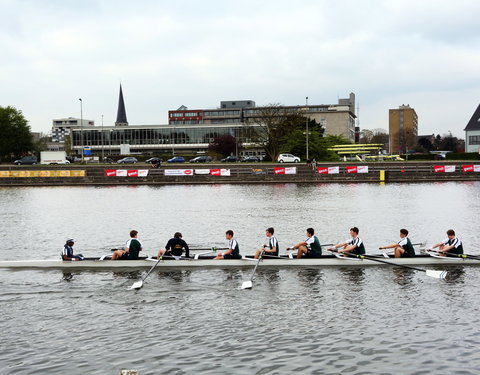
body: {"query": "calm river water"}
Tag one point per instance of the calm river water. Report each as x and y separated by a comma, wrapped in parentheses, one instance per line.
(375, 320)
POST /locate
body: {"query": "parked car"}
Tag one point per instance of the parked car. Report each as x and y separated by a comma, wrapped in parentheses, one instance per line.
(201, 159)
(288, 158)
(74, 159)
(176, 159)
(230, 159)
(128, 160)
(154, 160)
(26, 160)
(251, 159)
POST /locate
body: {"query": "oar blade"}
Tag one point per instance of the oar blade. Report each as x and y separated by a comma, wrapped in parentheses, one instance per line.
(137, 285)
(436, 274)
(247, 284)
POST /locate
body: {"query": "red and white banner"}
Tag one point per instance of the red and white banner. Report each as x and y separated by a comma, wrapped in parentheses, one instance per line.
(178, 172)
(126, 172)
(220, 172)
(357, 169)
(471, 168)
(329, 170)
(287, 170)
(444, 168)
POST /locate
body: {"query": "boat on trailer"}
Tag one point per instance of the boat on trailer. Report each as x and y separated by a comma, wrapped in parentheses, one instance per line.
(105, 263)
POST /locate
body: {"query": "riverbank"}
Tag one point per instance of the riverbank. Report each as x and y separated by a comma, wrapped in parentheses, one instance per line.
(237, 173)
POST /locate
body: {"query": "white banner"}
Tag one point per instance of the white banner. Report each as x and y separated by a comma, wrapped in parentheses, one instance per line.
(121, 173)
(333, 170)
(178, 172)
(202, 171)
(449, 168)
(362, 169)
(476, 168)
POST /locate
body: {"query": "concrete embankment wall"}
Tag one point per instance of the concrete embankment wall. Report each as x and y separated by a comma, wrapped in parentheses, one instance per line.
(239, 173)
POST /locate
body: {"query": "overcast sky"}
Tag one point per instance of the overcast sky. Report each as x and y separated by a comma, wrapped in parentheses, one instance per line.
(196, 53)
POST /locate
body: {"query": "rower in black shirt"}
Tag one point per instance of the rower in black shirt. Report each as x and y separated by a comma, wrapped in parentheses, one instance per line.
(175, 247)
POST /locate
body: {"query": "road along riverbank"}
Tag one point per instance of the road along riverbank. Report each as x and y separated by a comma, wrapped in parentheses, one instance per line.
(238, 173)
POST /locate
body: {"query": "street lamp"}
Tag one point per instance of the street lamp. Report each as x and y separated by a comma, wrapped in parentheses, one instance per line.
(81, 127)
(306, 122)
(103, 143)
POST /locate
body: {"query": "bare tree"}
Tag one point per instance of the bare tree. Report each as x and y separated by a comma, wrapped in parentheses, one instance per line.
(273, 124)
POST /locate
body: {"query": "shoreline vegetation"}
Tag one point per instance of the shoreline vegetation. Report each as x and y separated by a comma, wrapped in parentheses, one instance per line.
(239, 173)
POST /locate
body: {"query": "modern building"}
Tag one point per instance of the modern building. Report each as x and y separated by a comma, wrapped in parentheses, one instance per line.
(337, 119)
(472, 133)
(191, 131)
(403, 129)
(62, 127)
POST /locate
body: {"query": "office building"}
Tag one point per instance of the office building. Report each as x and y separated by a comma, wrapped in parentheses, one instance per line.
(62, 127)
(403, 129)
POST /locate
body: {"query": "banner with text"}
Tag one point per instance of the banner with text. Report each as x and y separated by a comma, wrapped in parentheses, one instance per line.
(287, 170)
(329, 170)
(126, 172)
(42, 173)
(220, 172)
(357, 169)
(444, 168)
(178, 172)
(471, 168)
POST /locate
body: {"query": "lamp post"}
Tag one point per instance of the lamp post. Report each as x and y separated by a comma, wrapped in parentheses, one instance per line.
(306, 122)
(103, 143)
(81, 127)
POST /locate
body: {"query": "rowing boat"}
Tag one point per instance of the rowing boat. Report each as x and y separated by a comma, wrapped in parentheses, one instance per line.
(208, 262)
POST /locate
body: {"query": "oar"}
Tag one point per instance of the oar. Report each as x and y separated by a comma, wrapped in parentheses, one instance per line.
(464, 256)
(431, 273)
(249, 284)
(209, 248)
(139, 284)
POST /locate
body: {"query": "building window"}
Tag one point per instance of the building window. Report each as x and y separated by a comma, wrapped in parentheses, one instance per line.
(474, 139)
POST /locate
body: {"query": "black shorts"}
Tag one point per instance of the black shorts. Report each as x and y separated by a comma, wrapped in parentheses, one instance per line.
(128, 256)
(268, 255)
(230, 256)
(311, 254)
(407, 255)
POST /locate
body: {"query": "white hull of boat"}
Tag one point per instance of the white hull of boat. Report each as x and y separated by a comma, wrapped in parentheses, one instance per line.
(326, 261)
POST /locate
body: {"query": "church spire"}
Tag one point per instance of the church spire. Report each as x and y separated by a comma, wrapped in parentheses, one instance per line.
(121, 114)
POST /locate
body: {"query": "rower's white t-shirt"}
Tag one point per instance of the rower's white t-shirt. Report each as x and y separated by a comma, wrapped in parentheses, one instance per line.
(455, 242)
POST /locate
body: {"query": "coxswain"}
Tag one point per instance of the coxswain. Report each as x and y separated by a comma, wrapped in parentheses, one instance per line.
(311, 247)
(353, 245)
(233, 251)
(67, 253)
(451, 244)
(132, 248)
(271, 248)
(175, 247)
(403, 248)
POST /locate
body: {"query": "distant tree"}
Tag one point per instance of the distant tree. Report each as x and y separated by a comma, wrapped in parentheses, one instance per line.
(273, 126)
(425, 145)
(16, 138)
(448, 143)
(224, 145)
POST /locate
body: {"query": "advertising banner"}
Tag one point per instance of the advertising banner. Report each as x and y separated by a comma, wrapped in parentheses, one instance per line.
(444, 168)
(220, 172)
(357, 169)
(329, 170)
(202, 171)
(126, 173)
(287, 170)
(41, 173)
(178, 172)
(471, 168)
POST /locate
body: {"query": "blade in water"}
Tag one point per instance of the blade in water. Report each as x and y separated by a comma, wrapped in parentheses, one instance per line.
(137, 285)
(436, 274)
(247, 284)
